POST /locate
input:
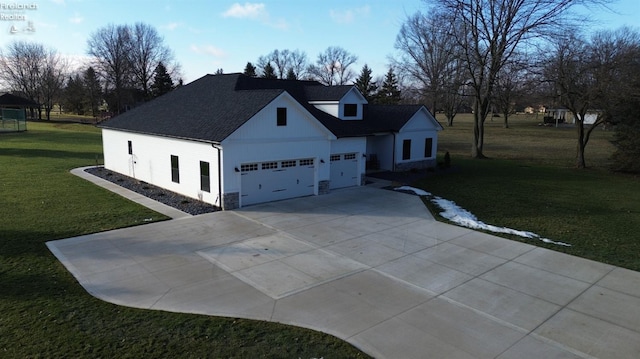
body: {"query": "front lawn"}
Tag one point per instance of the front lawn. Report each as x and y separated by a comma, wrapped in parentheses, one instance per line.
(45, 313)
(529, 184)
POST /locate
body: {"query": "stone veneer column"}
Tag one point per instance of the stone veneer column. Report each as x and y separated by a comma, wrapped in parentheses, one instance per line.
(323, 187)
(230, 201)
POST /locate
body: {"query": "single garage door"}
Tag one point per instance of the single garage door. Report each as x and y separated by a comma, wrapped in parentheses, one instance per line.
(344, 170)
(276, 180)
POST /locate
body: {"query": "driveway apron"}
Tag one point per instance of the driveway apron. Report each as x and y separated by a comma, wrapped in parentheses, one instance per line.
(373, 267)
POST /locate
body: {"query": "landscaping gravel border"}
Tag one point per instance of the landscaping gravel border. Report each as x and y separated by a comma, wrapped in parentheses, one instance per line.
(175, 200)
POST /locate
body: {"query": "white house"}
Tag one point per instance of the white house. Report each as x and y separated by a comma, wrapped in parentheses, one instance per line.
(232, 140)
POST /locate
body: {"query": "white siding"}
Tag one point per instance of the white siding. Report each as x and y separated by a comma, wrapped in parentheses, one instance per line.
(151, 162)
(332, 108)
(354, 97)
(301, 125)
(261, 140)
(417, 129)
(382, 147)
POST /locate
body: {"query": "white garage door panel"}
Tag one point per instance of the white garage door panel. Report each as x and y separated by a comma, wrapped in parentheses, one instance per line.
(272, 181)
(344, 170)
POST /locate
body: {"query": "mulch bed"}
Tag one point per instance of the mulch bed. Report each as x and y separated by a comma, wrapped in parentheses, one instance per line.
(175, 200)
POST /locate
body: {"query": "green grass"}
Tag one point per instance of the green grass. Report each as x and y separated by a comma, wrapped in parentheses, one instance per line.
(529, 183)
(45, 313)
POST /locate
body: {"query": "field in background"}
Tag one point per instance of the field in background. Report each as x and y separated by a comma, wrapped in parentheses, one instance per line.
(526, 141)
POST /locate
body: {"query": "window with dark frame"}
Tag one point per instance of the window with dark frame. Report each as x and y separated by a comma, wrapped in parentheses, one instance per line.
(428, 147)
(406, 149)
(350, 110)
(282, 116)
(175, 171)
(205, 179)
(130, 147)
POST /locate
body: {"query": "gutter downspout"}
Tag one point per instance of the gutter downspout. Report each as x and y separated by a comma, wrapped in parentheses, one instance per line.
(219, 174)
(393, 159)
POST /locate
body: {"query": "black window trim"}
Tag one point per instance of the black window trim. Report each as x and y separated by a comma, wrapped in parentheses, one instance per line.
(428, 147)
(353, 110)
(281, 116)
(406, 149)
(205, 179)
(175, 170)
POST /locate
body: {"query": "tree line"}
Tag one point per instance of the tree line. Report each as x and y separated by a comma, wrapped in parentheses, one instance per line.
(498, 53)
(333, 67)
(130, 64)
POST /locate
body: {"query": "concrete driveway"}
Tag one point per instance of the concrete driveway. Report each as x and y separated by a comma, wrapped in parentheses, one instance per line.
(372, 267)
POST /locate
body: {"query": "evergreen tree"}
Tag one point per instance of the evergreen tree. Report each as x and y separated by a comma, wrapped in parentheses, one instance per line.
(365, 83)
(291, 75)
(389, 93)
(250, 70)
(74, 95)
(162, 82)
(219, 72)
(93, 90)
(269, 72)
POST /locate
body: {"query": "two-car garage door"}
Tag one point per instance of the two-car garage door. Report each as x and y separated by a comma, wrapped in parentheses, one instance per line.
(276, 180)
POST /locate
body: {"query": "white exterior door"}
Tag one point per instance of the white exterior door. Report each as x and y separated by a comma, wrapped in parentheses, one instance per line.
(276, 180)
(344, 170)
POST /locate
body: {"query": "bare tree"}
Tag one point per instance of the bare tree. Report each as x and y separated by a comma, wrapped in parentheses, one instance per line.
(489, 32)
(280, 60)
(285, 63)
(147, 51)
(54, 72)
(298, 63)
(590, 75)
(333, 66)
(510, 85)
(111, 48)
(427, 54)
(21, 67)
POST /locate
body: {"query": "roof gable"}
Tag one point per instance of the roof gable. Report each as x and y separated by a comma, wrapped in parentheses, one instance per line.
(300, 123)
(422, 120)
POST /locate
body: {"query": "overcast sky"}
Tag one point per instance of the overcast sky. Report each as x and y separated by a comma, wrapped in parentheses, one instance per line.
(206, 35)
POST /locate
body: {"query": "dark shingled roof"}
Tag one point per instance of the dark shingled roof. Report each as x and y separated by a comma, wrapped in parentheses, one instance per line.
(208, 109)
(13, 100)
(214, 106)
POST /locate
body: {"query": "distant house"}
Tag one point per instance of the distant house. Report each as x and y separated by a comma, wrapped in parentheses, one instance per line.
(563, 115)
(232, 140)
(13, 112)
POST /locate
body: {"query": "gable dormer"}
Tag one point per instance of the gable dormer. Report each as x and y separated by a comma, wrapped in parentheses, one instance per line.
(343, 102)
(351, 105)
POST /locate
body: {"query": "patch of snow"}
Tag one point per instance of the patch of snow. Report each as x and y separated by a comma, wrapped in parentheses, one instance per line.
(459, 215)
(417, 191)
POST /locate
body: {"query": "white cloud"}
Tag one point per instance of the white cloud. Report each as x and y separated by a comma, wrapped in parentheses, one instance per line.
(255, 11)
(170, 26)
(350, 15)
(76, 19)
(248, 10)
(208, 50)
